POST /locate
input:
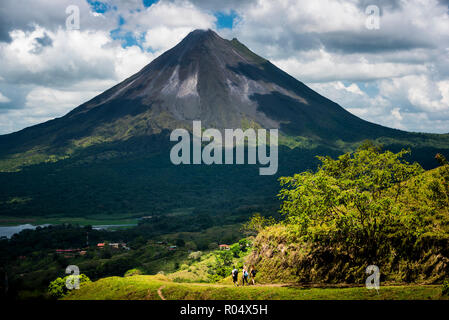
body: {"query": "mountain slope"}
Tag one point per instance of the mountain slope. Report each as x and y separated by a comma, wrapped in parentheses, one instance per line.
(111, 154)
(204, 77)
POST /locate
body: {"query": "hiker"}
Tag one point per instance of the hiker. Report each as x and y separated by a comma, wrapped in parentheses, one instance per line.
(235, 276)
(245, 276)
(253, 274)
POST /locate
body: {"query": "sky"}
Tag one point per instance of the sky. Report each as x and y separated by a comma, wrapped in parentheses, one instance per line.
(394, 72)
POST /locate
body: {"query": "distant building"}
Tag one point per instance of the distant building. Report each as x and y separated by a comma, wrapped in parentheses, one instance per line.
(118, 245)
(172, 248)
(65, 251)
(115, 245)
(69, 253)
(224, 247)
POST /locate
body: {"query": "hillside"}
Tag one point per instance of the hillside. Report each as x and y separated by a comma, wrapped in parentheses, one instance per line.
(152, 287)
(408, 239)
(412, 255)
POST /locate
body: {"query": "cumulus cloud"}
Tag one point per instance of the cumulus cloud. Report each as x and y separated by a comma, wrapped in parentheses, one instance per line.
(50, 14)
(4, 99)
(71, 68)
(403, 66)
(397, 75)
(53, 69)
(166, 24)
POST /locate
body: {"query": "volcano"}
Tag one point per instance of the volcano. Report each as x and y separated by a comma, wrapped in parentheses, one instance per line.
(205, 77)
(110, 154)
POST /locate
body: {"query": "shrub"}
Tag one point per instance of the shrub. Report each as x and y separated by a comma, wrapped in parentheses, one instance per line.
(195, 255)
(355, 199)
(58, 288)
(184, 266)
(445, 289)
(366, 207)
(133, 272)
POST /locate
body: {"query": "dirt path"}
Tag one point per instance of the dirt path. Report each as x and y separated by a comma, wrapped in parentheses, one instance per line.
(159, 292)
(231, 285)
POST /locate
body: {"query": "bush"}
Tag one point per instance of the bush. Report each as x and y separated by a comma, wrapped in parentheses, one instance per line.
(366, 207)
(195, 256)
(58, 288)
(356, 199)
(133, 272)
(445, 289)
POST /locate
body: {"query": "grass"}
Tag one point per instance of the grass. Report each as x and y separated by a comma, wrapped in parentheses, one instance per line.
(195, 272)
(146, 288)
(94, 220)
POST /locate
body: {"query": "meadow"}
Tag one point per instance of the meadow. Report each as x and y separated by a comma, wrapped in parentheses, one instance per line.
(156, 287)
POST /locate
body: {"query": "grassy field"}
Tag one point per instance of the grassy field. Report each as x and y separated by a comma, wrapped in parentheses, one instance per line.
(94, 220)
(158, 287)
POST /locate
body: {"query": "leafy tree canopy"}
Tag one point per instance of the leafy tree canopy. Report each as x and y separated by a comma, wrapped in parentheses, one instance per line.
(356, 197)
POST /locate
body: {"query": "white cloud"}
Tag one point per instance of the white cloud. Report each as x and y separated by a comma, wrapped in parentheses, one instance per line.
(166, 24)
(73, 56)
(414, 103)
(76, 67)
(420, 91)
(49, 102)
(3, 98)
(322, 66)
(405, 64)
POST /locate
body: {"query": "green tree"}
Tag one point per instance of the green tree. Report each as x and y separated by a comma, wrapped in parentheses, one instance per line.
(222, 266)
(355, 197)
(235, 250)
(133, 272)
(256, 224)
(58, 288)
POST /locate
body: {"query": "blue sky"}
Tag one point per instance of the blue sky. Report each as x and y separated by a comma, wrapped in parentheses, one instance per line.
(224, 20)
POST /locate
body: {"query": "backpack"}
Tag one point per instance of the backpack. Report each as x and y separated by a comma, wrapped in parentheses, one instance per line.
(246, 273)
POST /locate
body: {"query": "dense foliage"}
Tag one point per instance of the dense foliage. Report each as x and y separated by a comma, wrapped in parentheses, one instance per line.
(366, 207)
(58, 288)
(357, 198)
(29, 259)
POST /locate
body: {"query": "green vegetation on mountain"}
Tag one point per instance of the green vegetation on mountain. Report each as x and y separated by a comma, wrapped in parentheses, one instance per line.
(109, 160)
(58, 288)
(110, 155)
(364, 208)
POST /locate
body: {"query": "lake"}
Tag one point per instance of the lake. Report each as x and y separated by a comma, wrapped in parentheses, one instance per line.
(9, 231)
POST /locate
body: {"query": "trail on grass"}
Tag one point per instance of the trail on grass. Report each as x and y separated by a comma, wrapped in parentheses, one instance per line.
(159, 292)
